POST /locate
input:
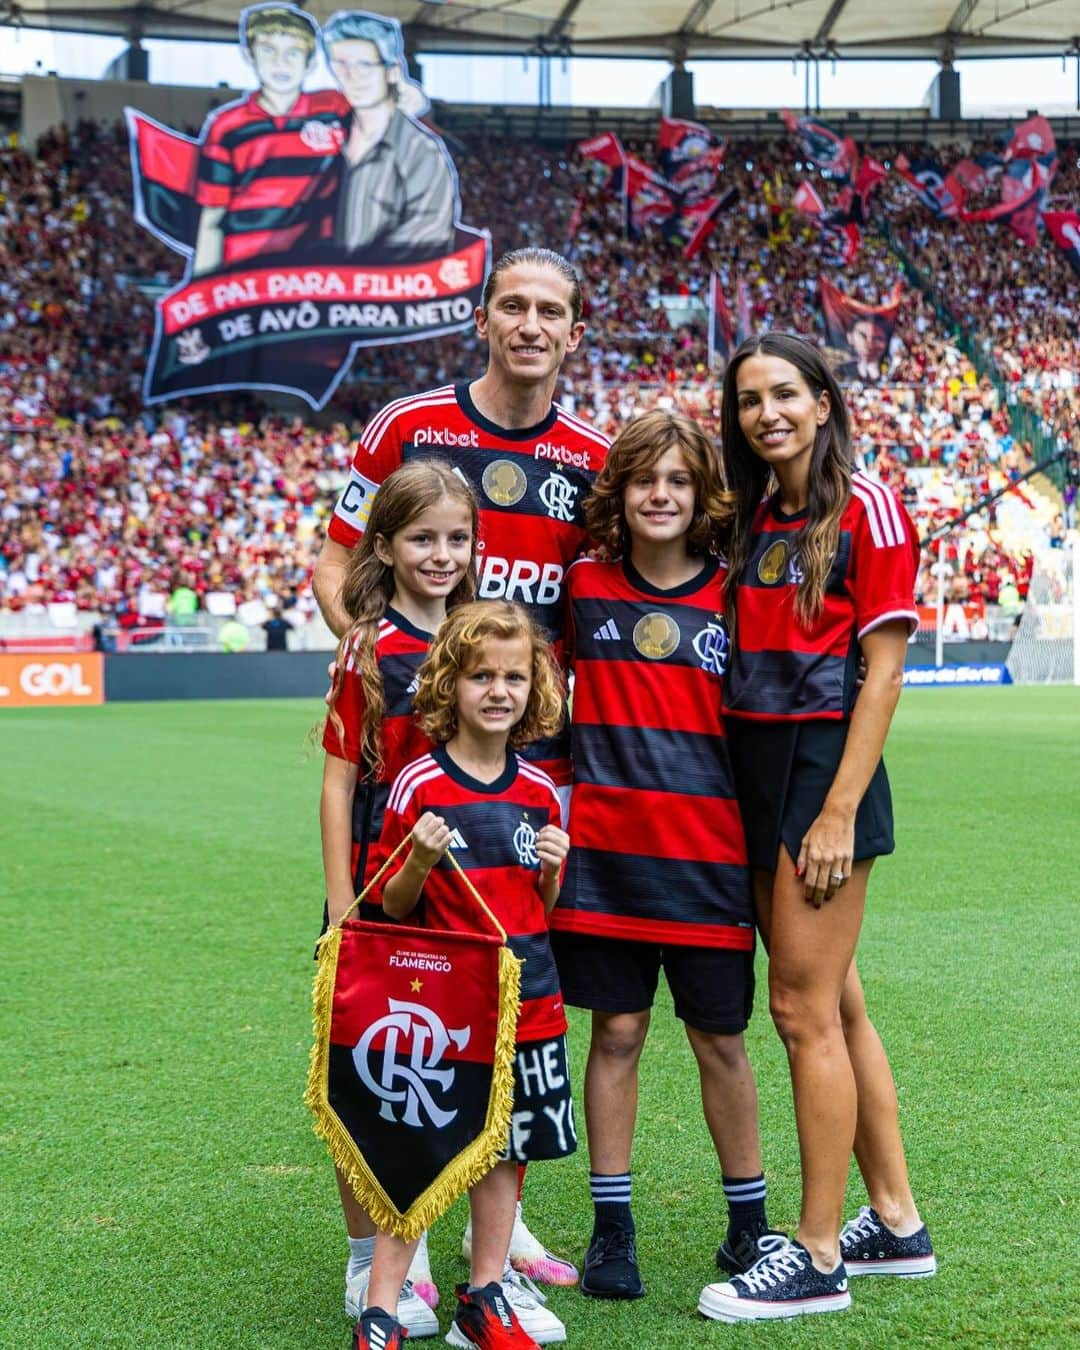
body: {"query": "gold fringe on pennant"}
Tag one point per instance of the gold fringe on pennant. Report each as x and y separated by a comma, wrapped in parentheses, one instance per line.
(474, 1161)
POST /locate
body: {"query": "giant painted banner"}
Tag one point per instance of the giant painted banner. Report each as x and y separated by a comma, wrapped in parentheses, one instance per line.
(313, 223)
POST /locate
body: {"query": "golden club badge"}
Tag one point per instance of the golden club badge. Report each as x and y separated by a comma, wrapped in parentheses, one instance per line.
(772, 566)
(656, 635)
(504, 482)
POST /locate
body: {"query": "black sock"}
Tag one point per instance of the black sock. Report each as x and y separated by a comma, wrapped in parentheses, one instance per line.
(746, 1204)
(611, 1200)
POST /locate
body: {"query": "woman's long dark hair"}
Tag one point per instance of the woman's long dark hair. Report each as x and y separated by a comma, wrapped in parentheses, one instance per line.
(749, 477)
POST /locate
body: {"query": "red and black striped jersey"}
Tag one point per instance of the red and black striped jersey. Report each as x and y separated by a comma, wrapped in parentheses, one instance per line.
(531, 485)
(399, 651)
(657, 846)
(781, 669)
(276, 177)
(493, 836)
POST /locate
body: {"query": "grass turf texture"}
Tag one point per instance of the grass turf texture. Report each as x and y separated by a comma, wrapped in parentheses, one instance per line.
(162, 1186)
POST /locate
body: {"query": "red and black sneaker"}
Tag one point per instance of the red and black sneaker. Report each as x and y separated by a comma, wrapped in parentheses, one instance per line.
(378, 1330)
(484, 1318)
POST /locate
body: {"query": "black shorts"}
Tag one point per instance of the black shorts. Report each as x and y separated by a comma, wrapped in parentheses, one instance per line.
(783, 772)
(542, 1122)
(713, 987)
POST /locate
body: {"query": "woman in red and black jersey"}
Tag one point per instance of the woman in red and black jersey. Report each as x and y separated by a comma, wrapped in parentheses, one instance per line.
(822, 569)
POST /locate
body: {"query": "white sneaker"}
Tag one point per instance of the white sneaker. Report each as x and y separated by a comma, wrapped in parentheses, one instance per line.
(528, 1303)
(420, 1276)
(528, 1255)
(412, 1312)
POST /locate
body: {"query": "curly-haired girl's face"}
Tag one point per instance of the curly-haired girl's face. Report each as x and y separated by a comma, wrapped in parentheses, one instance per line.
(493, 691)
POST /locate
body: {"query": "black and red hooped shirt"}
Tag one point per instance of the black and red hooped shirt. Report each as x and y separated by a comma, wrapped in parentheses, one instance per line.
(781, 670)
(531, 485)
(657, 846)
(400, 648)
(493, 837)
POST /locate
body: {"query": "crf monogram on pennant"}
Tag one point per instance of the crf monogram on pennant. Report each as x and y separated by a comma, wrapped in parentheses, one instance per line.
(428, 1038)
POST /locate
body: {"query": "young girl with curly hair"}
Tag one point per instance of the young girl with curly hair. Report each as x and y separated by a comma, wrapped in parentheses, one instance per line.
(488, 687)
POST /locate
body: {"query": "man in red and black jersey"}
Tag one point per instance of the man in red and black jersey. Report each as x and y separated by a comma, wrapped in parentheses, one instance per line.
(531, 462)
(268, 171)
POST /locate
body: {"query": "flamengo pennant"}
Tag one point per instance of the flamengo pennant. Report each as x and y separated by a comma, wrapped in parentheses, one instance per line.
(1064, 227)
(606, 149)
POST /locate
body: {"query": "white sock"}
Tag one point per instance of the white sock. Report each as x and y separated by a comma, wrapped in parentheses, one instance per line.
(361, 1255)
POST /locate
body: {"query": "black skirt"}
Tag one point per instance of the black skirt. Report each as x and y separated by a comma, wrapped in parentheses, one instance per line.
(783, 772)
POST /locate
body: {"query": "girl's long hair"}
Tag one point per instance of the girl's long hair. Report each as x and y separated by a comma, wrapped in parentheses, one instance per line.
(749, 477)
(635, 450)
(369, 586)
(455, 650)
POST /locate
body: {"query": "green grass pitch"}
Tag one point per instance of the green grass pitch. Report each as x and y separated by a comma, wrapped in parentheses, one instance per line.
(161, 1186)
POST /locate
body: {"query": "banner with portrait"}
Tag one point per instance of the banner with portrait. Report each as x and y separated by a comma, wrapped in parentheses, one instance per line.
(859, 334)
(314, 222)
(690, 157)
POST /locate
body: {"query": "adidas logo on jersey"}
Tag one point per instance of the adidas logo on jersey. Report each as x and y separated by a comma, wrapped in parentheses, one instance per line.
(608, 632)
(413, 685)
(457, 840)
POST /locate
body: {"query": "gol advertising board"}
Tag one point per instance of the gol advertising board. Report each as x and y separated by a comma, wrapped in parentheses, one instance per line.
(48, 681)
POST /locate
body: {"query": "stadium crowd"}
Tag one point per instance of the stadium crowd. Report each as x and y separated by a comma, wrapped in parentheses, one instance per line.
(112, 506)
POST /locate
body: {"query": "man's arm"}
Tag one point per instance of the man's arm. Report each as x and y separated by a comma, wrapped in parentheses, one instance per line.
(327, 582)
(428, 223)
(209, 242)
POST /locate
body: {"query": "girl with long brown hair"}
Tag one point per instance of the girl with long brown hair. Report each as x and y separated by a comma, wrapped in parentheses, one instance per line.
(416, 560)
(822, 570)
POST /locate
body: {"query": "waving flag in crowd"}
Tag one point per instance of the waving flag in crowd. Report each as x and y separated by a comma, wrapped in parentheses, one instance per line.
(721, 332)
(822, 145)
(943, 193)
(862, 331)
(807, 200)
(1021, 215)
(1064, 228)
(869, 174)
(606, 149)
(744, 318)
(690, 157)
(646, 196)
(697, 220)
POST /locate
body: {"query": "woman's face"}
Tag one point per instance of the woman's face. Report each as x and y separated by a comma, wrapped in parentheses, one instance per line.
(778, 412)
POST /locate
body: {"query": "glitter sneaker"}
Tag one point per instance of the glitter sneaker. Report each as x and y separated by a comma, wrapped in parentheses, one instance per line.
(784, 1283)
(867, 1247)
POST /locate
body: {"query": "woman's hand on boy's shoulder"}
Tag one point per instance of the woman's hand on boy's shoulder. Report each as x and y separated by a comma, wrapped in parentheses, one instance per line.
(430, 838)
(552, 846)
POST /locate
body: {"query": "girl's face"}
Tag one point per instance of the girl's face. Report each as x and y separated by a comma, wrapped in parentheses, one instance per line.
(778, 412)
(431, 554)
(493, 691)
(658, 502)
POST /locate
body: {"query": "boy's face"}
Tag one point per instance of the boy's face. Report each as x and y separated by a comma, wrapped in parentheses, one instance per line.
(281, 61)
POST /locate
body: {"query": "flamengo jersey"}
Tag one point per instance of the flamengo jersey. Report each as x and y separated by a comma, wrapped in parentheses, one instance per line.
(276, 177)
(493, 836)
(658, 853)
(399, 650)
(531, 486)
(781, 670)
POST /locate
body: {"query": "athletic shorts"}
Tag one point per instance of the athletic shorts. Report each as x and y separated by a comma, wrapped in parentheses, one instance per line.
(542, 1122)
(783, 772)
(713, 987)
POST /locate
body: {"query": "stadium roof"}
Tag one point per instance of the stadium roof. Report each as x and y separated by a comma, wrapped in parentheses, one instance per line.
(690, 29)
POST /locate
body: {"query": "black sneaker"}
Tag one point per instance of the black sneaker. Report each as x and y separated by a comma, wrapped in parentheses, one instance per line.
(611, 1265)
(485, 1318)
(377, 1330)
(867, 1247)
(739, 1253)
(784, 1283)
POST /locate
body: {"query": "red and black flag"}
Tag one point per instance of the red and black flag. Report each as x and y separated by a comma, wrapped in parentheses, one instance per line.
(807, 201)
(164, 170)
(721, 331)
(411, 1077)
(647, 196)
(1021, 215)
(822, 145)
(869, 174)
(690, 156)
(694, 222)
(862, 332)
(841, 237)
(1033, 139)
(606, 149)
(1064, 227)
(941, 192)
(744, 316)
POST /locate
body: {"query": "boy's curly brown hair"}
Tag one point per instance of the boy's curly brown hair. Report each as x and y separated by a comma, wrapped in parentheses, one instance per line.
(457, 649)
(635, 450)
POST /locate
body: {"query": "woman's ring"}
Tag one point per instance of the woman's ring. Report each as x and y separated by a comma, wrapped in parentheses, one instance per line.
(837, 879)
